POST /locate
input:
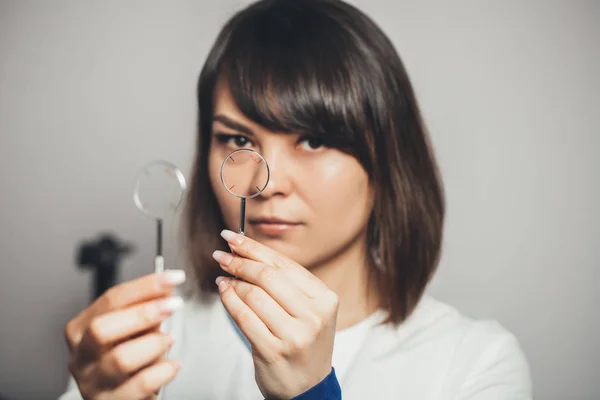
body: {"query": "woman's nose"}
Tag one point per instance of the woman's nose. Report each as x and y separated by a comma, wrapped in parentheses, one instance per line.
(280, 182)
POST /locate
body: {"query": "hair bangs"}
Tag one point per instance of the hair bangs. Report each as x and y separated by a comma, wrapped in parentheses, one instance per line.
(292, 75)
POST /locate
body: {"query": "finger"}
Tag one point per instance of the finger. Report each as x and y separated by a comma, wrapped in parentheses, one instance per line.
(153, 329)
(146, 382)
(132, 292)
(250, 248)
(108, 329)
(146, 288)
(272, 280)
(257, 333)
(268, 310)
(131, 356)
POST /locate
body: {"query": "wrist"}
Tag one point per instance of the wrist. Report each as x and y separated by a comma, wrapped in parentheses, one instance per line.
(327, 389)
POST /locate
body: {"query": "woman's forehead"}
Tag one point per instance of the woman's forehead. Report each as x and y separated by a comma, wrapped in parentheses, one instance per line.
(227, 109)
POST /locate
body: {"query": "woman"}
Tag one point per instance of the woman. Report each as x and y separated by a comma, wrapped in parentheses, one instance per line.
(339, 247)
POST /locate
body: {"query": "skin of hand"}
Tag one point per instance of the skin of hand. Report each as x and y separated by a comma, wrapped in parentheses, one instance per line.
(116, 348)
(287, 314)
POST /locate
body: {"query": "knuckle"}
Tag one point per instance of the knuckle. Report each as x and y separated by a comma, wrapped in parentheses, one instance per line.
(331, 301)
(251, 246)
(120, 361)
(296, 344)
(109, 299)
(69, 333)
(317, 324)
(95, 331)
(148, 315)
(145, 384)
(265, 275)
(237, 265)
(244, 318)
(285, 263)
(252, 295)
(272, 356)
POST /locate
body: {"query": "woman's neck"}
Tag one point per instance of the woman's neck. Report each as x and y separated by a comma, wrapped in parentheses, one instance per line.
(347, 275)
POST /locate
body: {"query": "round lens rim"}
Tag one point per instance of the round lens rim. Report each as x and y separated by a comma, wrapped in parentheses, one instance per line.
(180, 178)
(264, 161)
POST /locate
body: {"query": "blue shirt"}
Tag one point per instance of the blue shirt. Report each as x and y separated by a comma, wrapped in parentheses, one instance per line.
(328, 389)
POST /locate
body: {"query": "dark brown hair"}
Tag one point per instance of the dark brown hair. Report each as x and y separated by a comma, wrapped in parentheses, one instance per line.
(328, 70)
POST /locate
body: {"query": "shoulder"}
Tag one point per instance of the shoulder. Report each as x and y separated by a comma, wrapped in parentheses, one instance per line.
(475, 333)
(476, 358)
(487, 357)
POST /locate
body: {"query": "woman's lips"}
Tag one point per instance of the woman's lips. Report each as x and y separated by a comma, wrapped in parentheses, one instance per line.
(273, 226)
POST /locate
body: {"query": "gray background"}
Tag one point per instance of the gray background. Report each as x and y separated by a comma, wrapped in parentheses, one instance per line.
(91, 90)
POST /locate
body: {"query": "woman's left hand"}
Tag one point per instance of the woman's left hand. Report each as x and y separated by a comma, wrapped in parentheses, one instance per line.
(287, 314)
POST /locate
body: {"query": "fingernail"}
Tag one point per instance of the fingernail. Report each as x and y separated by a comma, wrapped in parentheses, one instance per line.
(222, 258)
(172, 277)
(222, 285)
(171, 304)
(231, 237)
(225, 279)
(219, 280)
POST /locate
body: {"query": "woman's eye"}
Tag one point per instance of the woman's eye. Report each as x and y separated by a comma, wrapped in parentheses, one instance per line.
(234, 140)
(311, 143)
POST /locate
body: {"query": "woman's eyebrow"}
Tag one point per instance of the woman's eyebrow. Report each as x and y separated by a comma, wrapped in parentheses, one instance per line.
(233, 124)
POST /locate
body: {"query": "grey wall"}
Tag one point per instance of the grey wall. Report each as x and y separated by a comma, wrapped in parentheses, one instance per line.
(89, 91)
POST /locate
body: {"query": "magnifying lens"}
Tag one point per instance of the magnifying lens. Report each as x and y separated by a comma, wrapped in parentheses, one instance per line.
(245, 174)
(158, 192)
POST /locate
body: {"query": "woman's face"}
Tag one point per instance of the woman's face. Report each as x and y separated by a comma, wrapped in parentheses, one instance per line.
(318, 200)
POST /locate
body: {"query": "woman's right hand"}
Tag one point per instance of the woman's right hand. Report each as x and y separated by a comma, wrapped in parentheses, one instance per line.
(115, 345)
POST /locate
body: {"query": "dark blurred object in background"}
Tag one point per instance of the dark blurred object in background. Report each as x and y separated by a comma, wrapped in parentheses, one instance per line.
(103, 256)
